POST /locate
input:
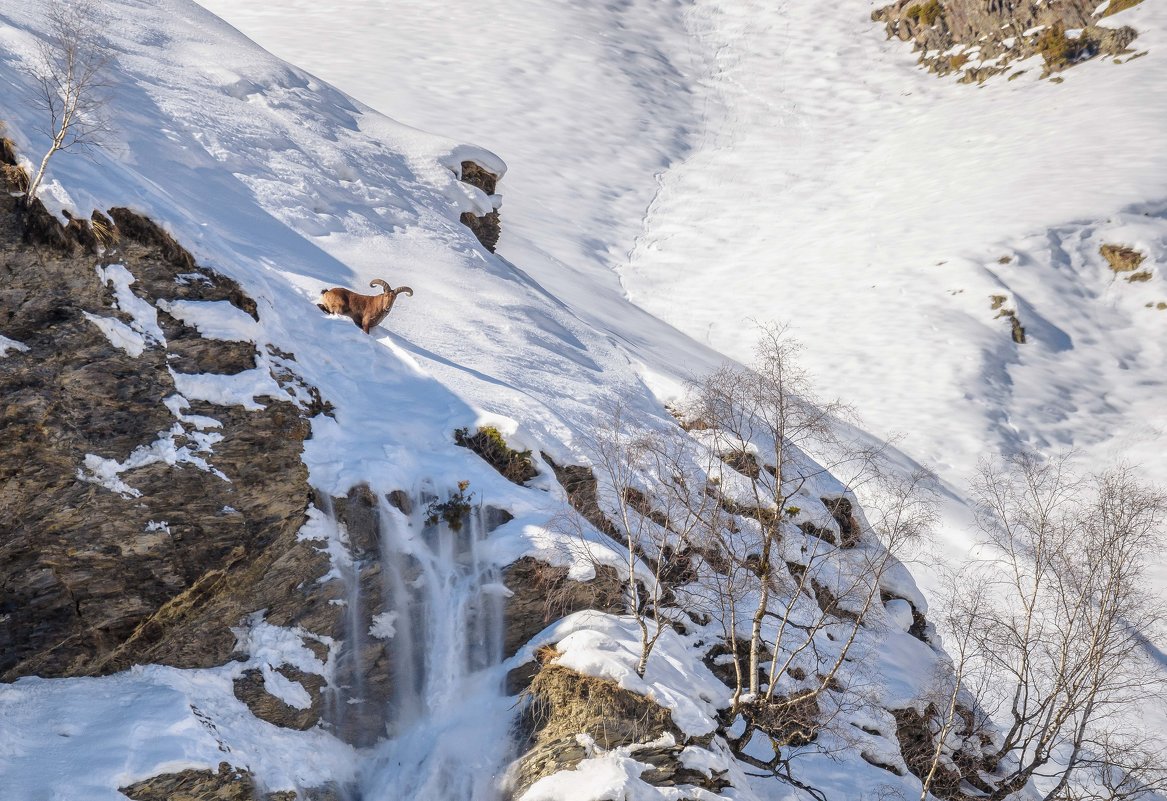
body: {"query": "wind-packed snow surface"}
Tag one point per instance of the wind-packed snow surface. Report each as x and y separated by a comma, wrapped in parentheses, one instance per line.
(714, 163)
(738, 162)
(283, 183)
(742, 161)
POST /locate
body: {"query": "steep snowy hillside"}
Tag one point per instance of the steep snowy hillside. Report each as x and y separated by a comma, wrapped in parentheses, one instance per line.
(354, 641)
(370, 610)
(784, 161)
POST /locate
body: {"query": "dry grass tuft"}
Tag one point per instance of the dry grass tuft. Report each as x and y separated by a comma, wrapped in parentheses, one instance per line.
(1122, 259)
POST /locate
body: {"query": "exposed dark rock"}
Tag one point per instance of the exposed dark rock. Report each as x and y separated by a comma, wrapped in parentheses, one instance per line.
(493, 517)
(249, 688)
(842, 512)
(579, 483)
(519, 679)
(668, 771)
(476, 175)
(360, 719)
(811, 530)
(977, 39)
(359, 513)
(919, 627)
(642, 505)
(724, 668)
(487, 227)
(95, 580)
(827, 601)
(401, 501)
(872, 759)
(147, 232)
(543, 593)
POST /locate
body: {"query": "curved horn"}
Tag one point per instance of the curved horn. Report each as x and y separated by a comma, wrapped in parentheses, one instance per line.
(404, 290)
(377, 281)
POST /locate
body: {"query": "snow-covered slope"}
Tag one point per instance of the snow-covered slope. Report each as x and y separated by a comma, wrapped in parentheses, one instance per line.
(288, 186)
(782, 161)
(645, 146)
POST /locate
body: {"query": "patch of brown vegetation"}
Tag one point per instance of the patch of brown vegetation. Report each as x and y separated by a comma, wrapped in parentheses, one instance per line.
(561, 704)
(1060, 51)
(1122, 259)
(1017, 331)
(924, 13)
(488, 442)
(227, 783)
(744, 462)
(564, 703)
(917, 746)
(792, 720)
(1119, 5)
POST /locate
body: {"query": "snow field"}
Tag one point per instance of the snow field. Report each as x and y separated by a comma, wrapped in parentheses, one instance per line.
(682, 154)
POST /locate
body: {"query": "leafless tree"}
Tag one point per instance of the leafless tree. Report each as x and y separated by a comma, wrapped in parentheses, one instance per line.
(655, 495)
(1057, 644)
(70, 73)
(959, 621)
(769, 411)
(710, 521)
(762, 422)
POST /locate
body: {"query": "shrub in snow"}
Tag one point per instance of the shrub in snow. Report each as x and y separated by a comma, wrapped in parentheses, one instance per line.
(488, 443)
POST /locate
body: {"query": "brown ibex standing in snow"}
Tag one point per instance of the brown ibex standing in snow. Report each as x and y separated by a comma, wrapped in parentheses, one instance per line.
(365, 310)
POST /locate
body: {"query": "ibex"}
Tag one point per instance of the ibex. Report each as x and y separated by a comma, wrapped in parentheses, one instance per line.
(365, 310)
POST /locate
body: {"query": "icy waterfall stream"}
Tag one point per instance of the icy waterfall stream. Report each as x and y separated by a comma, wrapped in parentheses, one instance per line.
(444, 730)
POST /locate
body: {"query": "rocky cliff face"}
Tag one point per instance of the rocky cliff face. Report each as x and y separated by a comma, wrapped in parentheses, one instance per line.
(977, 39)
(487, 227)
(141, 524)
(145, 525)
(155, 502)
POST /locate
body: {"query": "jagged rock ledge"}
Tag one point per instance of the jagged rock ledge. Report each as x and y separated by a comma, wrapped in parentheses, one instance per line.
(977, 39)
(487, 227)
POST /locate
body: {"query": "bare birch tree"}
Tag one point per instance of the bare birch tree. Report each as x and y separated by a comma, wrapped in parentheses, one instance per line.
(1058, 646)
(770, 410)
(70, 73)
(658, 502)
(710, 521)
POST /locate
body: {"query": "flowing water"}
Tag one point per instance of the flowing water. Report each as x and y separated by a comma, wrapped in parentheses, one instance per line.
(446, 721)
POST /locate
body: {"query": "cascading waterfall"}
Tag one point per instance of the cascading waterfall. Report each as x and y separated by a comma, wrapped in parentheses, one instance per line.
(447, 720)
(348, 685)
